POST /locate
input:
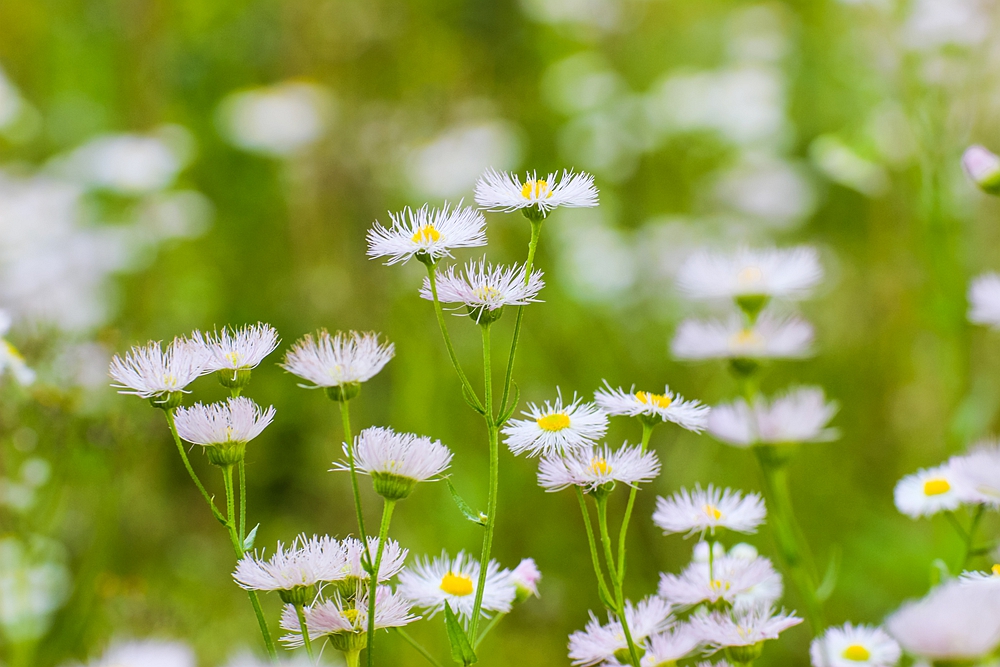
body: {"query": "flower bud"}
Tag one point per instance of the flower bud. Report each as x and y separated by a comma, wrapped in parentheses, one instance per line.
(983, 167)
(525, 578)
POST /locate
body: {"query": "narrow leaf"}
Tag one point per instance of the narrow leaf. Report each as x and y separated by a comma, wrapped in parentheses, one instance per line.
(463, 507)
(509, 411)
(825, 589)
(461, 649)
(472, 400)
(610, 604)
(248, 542)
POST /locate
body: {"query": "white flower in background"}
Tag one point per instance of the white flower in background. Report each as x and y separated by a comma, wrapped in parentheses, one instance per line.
(429, 584)
(789, 273)
(705, 510)
(799, 415)
(954, 622)
(333, 361)
(555, 428)
(277, 120)
(776, 192)
(769, 337)
(979, 474)
(11, 102)
(34, 583)
(393, 558)
(396, 461)
(150, 371)
(248, 659)
(238, 420)
(334, 616)
(305, 563)
(927, 492)
(740, 582)
(742, 628)
(237, 349)
(504, 191)
(983, 167)
(525, 578)
(430, 232)
(670, 646)
(932, 24)
(599, 643)
(146, 653)
(667, 406)
(592, 468)
(484, 287)
(10, 357)
(450, 162)
(984, 300)
(854, 646)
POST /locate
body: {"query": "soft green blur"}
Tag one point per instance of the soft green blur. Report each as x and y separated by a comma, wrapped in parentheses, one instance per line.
(287, 246)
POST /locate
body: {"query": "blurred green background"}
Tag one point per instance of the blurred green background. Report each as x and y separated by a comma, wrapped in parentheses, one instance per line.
(720, 122)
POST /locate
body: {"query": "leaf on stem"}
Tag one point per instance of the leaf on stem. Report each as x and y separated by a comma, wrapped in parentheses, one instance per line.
(472, 400)
(463, 507)
(508, 411)
(603, 593)
(825, 588)
(461, 650)
(248, 542)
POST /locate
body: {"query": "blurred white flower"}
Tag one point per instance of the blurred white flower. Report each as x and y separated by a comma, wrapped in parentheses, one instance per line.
(146, 653)
(581, 82)
(929, 491)
(449, 164)
(854, 646)
(790, 273)
(932, 24)
(984, 300)
(34, 583)
(799, 415)
(776, 192)
(11, 102)
(769, 337)
(278, 120)
(978, 473)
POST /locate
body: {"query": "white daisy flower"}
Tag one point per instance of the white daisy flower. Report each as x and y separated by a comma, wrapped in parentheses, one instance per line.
(854, 646)
(666, 648)
(346, 623)
(393, 558)
(427, 232)
(978, 474)
(10, 357)
(343, 360)
(984, 300)
(790, 273)
(305, 563)
(799, 415)
(594, 468)
(983, 167)
(429, 584)
(396, 461)
(224, 429)
(705, 510)
(525, 578)
(599, 642)
(954, 622)
(991, 578)
(769, 337)
(237, 349)
(247, 659)
(484, 288)
(503, 191)
(151, 372)
(927, 492)
(743, 628)
(555, 428)
(739, 582)
(146, 653)
(667, 406)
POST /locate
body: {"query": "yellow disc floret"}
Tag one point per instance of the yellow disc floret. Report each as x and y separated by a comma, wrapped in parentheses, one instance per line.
(746, 338)
(749, 275)
(996, 570)
(857, 652)
(351, 615)
(658, 400)
(553, 422)
(458, 585)
(935, 487)
(599, 466)
(712, 511)
(485, 293)
(426, 234)
(536, 190)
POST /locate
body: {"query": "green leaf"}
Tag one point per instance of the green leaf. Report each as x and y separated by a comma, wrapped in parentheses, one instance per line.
(607, 602)
(509, 411)
(472, 400)
(461, 649)
(463, 507)
(825, 589)
(248, 542)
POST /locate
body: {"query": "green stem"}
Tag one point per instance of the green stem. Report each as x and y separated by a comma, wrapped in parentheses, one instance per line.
(243, 502)
(419, 648)
(305, 631)
(536, 231)
(383, 532)
(602, 586)
(353, 658)
(647, 431)
(345, 417)
(973, 527)
(187, 465)
(492, 624)
(491, 509)
(711, 560)
(439, 313)
(602, 521)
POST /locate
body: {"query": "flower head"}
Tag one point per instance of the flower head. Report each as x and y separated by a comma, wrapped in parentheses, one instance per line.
(595, 468)
(305, 563)
(742, 628)
(978, 473)
(525, 578)
(791, 273)
(146, 653)
(667, 406)
(983, 167)
(800, 415)
(854, 646)
(599, 642)
(555, 428)
(929, 491)
(483, 288)
(345, 622)
(503, 191)
(396, 461)
(769, 337)
(427, 232)
(223, 429)
(670, 646)
(429, 584)
(339, 360)
(237, 349)
(740, 582)
(704, 510)
(982, 579)
(152, 372)
(393, 558)
(984, 300)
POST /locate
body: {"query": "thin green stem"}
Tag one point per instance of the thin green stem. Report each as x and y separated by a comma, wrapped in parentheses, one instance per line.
(602, 521)
(602, 586)
(187, 465)
(305, 631)
(439, 313)
(536, 231)
(489, 626)
(383, 532)
(345, 417)
(711, 560)
(418, 647)
(647, 431)
(352, 658)
(243, 502)
(971, 538)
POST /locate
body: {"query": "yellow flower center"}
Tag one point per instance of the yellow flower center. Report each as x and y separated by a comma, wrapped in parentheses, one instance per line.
(12, 351)
(554, 422)
(234, 358)
(712, 511)
(426, 234)
(351, 615)
(599, 466)
(750, 275)
(935, 487)
(996, 570)
(718, 585)
(857, 652)
(459, 585)
(659, 400)
(485, 293)
(747, 338)
(536, 190)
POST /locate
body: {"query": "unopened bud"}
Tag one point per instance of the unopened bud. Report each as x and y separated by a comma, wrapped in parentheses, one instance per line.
(983, 167)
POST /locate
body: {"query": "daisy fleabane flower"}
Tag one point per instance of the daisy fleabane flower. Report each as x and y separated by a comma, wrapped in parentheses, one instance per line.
(396, 461)
(429, 584)
(340, 361)
(483, 288)
(427, 233)
(927, 492)
(991, 578)
(295, 570)
(346, 623)
(525, 578)
(983, 167)
(854, 646)
(769, 337)
(742, 628)
(979, 474)
(737, 581)
(667, 406)
(555, 428)
(393, 559)
(504, 191)
(800, 415)
(670, 646)
(595, 468)
(705, 510)
(984, 300)
(148, 653)
(790, 273)
(598, 643)
(237, 349)
(150, 371)
(223, 429)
